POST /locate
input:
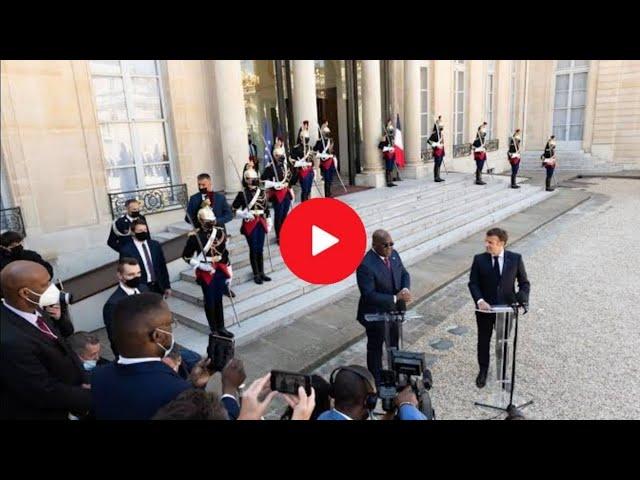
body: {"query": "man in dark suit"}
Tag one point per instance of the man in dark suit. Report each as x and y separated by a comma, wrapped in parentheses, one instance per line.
(492, 282)
(382, 280)
(148, 253)
(40, 376)
(219, 204)
(129, 275)
(120, 232)
(11, 249)
(139, 383)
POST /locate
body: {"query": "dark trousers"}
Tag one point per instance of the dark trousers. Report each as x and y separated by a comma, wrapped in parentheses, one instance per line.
(280, 212)
(305, 186)
(479, 166)
(485, 322)
(327, 175)
(549, 176)
(375, 342)
(514, 172)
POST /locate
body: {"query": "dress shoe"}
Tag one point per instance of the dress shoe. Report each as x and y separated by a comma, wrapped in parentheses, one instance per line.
(481, 379)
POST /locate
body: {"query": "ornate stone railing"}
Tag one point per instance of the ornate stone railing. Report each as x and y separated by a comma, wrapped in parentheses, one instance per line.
(11, 219)
(461, 150)
(152, 200)
(492, 145)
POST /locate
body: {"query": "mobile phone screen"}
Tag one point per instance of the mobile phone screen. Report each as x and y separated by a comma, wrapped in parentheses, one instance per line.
(220, 351)
(289, 382)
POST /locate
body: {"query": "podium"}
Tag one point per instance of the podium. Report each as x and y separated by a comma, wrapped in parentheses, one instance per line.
(500, 392)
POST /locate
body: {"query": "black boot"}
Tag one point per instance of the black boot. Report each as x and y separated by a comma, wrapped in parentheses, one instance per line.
(219, 324)
(260, 261)
(389, 182)
(327, 189)
(437, 174)
(211, 317)
(254, 267)
(479, 178)
(513, 181)
(547, 183)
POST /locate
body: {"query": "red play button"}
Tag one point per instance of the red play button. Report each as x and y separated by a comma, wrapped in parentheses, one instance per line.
(323, 240)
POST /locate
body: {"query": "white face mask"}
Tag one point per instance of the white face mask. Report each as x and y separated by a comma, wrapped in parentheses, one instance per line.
(167, 351)
(49, 297)
(89, 364)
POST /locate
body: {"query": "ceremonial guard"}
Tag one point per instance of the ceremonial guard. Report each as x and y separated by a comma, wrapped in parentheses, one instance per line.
(121, 227)
(328, 160)
(436, 140)
(549, 161)
(251, 205)
(480, 152)
(514, 156)
(212, 266)
(303, 157)
(279, 177)
(388, 153)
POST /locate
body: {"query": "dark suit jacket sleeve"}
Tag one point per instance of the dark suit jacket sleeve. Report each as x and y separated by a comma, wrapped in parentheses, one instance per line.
(227, 214)
(107, 314)
(232, 407)
(474, 280)
(164, 273)
(523, 282)
(405, 279)
(367, 285)
(64, 325)
(192, 209)
(23, 372)
(113, 241)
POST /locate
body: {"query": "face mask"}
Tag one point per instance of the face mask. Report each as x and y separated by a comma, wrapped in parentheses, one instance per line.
(133, 282)
(17, 250)
(134, 214)
(49, 297)
(483, 130)
(89, 364)
(203, 190)
(167, 351)
(142, 236)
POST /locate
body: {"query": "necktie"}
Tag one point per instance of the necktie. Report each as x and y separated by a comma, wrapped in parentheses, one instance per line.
(44, 327)
(496, 268)
(387, 263)
(147, 256)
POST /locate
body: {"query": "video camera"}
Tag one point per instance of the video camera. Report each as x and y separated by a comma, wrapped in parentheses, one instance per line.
(408, 368)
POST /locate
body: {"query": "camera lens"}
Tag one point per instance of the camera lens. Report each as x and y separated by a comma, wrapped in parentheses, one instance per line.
(65, 298)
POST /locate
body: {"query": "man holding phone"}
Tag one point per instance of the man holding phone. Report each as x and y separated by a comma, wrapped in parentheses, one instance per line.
(384, 287)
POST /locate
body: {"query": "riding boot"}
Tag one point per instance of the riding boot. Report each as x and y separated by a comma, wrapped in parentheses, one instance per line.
(254, 267)
(260, 265)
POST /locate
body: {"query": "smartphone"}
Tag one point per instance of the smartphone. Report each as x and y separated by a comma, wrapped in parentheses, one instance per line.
(289, 382)
(220, 351)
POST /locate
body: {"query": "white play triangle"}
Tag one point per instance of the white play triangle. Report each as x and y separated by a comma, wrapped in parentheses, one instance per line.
(321, 240)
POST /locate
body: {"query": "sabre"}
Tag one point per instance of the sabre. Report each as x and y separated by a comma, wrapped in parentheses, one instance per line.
(246, 202)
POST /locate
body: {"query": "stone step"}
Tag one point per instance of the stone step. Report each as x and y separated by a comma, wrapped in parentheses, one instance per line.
(299, 305)
(398, 218)
(252, 300)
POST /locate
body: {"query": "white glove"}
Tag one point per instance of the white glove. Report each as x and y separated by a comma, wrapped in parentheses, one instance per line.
(387, 149)
(217, 258)
(301, 164)
(205, 267)
(270, 184)
(480, 149)
(246, 214)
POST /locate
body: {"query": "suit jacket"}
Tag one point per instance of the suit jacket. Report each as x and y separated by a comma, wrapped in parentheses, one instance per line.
(157, 258)
(123, 224)
(40, 378)
(376, 287)
(108, 308)
(221, 209)
(133, 392)
(6, 258)
(484, 284)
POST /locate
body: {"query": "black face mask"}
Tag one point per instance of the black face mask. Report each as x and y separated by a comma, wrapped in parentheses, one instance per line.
(17, 250)
(203, 190)
(142, 236)
(134, 214)
(133, 282)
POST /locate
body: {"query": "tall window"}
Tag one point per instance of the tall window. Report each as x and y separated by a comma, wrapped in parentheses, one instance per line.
(570, 99)
(425, 120)
(512, 101)
(489, 97)
(458, 102)
(133, 124)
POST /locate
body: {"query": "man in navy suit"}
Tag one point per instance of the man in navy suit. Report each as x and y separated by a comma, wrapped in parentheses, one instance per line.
(219, 204)
(382, 280)
(492, 282)
(150, 257)
(139, 383)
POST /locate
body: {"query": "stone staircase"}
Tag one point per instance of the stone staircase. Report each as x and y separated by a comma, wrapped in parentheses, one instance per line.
(569, 161)
(423, 217)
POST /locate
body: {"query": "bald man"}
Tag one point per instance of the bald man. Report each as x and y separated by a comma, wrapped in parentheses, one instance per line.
(40, 376)
(383, 281)
(139, 383)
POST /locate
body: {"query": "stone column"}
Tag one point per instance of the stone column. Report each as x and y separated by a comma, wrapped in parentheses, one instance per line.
(414, 168)
(373, 171)
(231, 121)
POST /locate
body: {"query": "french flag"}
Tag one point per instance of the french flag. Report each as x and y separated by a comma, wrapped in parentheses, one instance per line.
(398, 144)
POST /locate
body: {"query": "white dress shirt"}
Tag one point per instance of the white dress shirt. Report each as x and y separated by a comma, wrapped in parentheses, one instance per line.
(500, 265)
(128, 290)
(138, 245)
(130, 361)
